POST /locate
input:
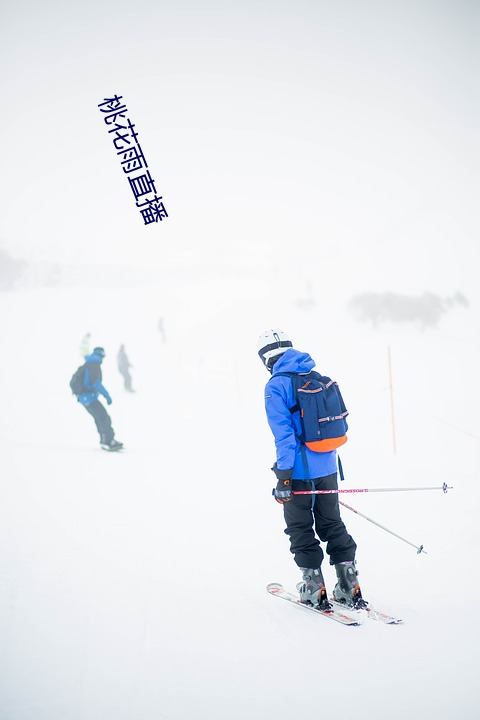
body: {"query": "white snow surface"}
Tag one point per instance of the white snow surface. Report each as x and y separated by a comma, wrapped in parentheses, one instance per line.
(133, 584)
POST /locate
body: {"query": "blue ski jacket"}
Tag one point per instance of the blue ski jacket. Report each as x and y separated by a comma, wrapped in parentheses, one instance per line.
(285, 426)
(93, 381)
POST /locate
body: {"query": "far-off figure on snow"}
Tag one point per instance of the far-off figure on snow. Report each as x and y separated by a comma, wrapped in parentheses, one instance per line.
(306, 415)
(85, 345)
(86, 384)
(124, 368)
(161, 329)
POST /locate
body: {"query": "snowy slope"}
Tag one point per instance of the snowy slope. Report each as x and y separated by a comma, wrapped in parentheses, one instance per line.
(133, 585)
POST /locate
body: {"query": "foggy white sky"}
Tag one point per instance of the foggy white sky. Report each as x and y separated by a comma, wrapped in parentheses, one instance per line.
(348, 128)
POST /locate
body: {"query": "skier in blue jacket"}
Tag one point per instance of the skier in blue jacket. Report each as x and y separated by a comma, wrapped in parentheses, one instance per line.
(308, 518)
(93, 387)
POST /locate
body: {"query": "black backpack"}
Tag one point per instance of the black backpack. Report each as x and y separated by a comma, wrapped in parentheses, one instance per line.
(77, 382)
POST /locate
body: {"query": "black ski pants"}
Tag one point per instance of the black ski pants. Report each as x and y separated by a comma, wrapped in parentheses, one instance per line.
(102, 421)
(309, 517)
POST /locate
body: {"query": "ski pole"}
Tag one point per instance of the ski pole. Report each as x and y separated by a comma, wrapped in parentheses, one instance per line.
(443, 487)
(419, 548)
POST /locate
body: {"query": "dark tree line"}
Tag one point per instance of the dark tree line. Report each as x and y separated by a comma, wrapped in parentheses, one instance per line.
(426, 309)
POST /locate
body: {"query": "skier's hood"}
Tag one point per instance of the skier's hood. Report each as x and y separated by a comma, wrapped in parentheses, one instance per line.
(93, 358)
(293, 361)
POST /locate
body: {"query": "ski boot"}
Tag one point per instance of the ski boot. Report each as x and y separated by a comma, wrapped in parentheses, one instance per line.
(112, 446)
(347, 590)
(312, 589)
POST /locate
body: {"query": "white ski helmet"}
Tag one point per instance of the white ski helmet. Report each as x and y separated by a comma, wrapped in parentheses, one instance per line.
(271, 344)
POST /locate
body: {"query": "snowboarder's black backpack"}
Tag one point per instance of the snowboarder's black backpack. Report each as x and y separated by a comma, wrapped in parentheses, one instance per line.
(78, 378)
(322, 411)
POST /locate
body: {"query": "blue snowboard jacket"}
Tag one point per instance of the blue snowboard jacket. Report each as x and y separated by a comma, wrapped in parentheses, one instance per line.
(93, 381)
(286, 427)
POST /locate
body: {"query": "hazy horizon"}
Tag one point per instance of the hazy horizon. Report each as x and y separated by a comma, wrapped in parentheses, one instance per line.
(349, 131)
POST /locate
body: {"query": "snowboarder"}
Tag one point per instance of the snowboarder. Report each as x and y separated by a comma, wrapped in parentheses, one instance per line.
(308, 518)
(123, 366)
(88, 397)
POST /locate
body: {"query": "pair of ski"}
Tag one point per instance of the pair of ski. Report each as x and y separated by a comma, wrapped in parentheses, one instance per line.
(339, 612)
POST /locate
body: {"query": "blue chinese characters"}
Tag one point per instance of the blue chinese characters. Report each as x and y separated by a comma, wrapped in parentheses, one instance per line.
(133, 160)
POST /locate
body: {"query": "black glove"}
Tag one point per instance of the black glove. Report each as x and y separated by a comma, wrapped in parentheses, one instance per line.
(283, 492)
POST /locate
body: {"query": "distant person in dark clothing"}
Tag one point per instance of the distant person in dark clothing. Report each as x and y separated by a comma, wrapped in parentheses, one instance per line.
(161, 329)
(92, 388)
(123, 366)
